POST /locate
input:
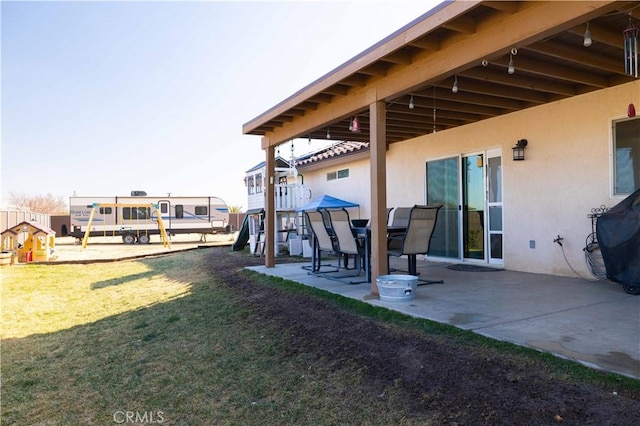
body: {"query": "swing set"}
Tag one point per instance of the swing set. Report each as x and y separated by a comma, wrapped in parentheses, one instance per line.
(132, 233)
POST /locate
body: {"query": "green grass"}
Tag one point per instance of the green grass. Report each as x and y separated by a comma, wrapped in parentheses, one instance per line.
(157, 338)
(160, 339)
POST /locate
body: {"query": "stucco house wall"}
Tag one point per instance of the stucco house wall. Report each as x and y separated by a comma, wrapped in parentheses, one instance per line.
(567, 172)
(356, 188)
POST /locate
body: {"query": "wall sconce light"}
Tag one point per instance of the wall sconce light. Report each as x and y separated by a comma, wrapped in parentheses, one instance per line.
(631, 110)
(518, 150)
(411, 102)
(587, 37)
(354, 126)
(454, 89)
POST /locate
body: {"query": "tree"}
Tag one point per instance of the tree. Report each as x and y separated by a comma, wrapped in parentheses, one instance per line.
(235, 209)
(47, 204)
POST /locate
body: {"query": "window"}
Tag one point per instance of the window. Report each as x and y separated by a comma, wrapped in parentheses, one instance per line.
(201, 210)
(179, 211)
(105, 210)
(626, 158)
(258, 183)
(164, 208)
(250, 187)
(340, 174)
(136, 213)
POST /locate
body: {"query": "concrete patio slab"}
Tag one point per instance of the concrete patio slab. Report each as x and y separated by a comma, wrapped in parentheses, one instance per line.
(592, 322)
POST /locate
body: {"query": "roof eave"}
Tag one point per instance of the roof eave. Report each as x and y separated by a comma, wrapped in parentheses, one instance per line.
(431, 20)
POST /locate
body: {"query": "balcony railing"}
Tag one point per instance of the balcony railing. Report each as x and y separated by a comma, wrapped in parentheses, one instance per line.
(291, 196)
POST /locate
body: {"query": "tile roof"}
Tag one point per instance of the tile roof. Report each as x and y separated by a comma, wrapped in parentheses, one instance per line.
(336, 150)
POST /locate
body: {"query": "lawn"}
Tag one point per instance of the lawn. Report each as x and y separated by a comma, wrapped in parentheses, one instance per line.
(192, 339)
(155, 340)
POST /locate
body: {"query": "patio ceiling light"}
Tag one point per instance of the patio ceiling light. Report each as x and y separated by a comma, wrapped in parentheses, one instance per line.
(454, 89)
(511, 68)
(587, 37)
(411, 102)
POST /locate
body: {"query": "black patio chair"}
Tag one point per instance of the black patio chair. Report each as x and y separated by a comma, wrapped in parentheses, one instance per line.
(417, 238)
(324, 241)
(346, 242)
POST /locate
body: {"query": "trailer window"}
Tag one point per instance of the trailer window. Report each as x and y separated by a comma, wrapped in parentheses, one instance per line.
(164, 208)
(136, 213)
(179, 211)
(201, 210)
(105, 210)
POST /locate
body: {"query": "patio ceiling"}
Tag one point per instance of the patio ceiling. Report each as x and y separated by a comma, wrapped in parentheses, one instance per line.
(470, 42)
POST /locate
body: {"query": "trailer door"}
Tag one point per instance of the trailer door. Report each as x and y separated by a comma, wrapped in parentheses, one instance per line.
(165, 212)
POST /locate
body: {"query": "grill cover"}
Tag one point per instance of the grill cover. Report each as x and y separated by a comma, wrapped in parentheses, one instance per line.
(618, 232)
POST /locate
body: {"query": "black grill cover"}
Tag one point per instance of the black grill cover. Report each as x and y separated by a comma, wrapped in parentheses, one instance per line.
(618, 233)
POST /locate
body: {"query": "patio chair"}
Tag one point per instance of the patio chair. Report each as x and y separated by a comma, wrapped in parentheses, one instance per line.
(417, 238)
(389, 209)
(400, 219)
(324, 242)
(346, 243)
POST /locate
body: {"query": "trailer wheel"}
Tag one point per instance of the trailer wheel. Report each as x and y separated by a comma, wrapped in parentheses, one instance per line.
(143, 239)
(128, 238)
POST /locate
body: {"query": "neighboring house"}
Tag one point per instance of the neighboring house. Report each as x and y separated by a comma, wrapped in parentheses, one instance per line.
(445, 104)
(290, 193)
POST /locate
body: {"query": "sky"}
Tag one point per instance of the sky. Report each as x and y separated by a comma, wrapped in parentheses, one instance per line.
(102, 98)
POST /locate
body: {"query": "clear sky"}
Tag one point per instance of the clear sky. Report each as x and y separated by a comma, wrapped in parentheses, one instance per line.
(101, 98)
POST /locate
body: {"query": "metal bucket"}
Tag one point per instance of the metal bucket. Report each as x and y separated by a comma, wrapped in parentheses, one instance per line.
(397, 288)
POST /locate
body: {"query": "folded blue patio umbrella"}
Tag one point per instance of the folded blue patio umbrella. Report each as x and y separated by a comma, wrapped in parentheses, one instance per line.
(327, 202)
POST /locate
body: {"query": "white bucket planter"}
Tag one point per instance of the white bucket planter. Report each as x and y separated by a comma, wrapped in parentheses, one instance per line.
(397, 288)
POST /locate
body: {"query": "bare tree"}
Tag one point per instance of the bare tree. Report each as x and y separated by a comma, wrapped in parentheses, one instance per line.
(47, 204)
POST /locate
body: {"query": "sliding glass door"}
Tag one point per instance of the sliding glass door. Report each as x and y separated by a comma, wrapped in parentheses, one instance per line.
(469, 225)
(494, 204)
(443, 188)
(473, 207)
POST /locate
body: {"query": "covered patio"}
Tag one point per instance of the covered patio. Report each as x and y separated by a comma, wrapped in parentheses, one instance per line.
(594, 323)
(458, 64)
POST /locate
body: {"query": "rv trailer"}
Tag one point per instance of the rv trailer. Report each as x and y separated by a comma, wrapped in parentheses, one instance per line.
(135, 217)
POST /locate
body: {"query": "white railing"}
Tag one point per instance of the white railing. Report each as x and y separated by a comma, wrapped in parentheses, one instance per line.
(291, 196)
(287, 197)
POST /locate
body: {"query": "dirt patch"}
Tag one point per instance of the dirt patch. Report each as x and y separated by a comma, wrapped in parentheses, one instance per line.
(447, 381)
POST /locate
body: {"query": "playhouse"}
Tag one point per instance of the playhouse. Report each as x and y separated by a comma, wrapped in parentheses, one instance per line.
(29, 242)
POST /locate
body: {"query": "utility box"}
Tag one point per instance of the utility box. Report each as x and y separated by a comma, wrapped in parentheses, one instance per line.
(295, 246)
